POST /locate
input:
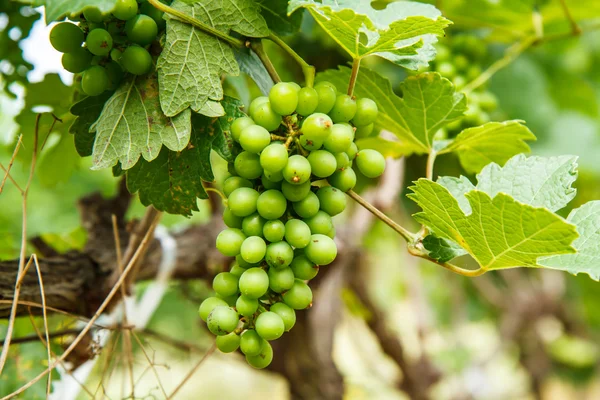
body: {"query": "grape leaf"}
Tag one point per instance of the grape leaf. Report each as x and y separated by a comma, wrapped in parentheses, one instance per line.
(275, 14)
(87, 111)
(441, 249)
(173, 181)
(499, 233)
(191, 63)
(458, 187)
(587, 258)
(429, 102)
(59, 8)
(58, 163)
(404, 32)
(492, 142)
(249, 63)
(132, 124)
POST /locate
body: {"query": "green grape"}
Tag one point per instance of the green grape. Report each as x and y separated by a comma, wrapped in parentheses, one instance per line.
(344, 109)
(283, 98)
(341, 137)
(370, 163)
(236, 270)
(229, 241)
(208, 305)
(235, 182)
(274, 157)
(297, 233)
(269, 326)
(157, 15)
(269, 184)
(246, 306)
(231, 220)
(253, 249)
(114, 73)
(446, 69)
(459, 82)
(460, 62)
(115, 55)
(247, 165)
(257, 102)
(228, 343)
(321, 250)
(274, 230)
(473, 72)
(443, 53)
(352, 152)
(271, 204)
(308, 100)
(239, 125)
(299, 296)
(474, 47)
(242, 263)
(279, 255)
(264, 116)
(295, 192)
(230, 300)
(125, 9)
(287, 314)
(94, 80)
(225, 284)
(344, 180)
(320, 223)
(297, 170)
(77, 60)
(254, 283)
(66, 37)
(274, 176)
(136, 60)
(96, 60)
(255, 138)
(303, 268)
(252, 225)
(322, 163)
(342, 161)
(93, 14)
(141, 29)
(488, 102)
(366, 112)
(242, 201)
(263, 359)
(317, 127)
(280, 279)
(310, 144)
(250, 343)
(222, 320)
(99, 42)
(295, 86)
(364, 131)
(327, 95)
(332, 200)
(308, 206)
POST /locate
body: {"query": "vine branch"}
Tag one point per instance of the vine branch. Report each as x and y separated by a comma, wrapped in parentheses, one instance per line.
(258, 48)
(307, 69)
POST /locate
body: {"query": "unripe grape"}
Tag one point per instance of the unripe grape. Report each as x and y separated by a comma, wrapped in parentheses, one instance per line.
(125, 9)
(94, 80)
(297, 170)
(254, 283)
(283, 98)
(366, 112)
(274, 157)
(327, 96)
(274, 230)
(247, 165)
(141, 29)
(370, 163)
(352, 152)
(244, 264)
(228, 343)
(308, 100)
(342, 160)
(115, 55)
(239, 125)
(235, 182)
(264, 116)
(364, 131)
(320, 223)
(93, 14)
(299, 296)
(295, 192)
(250, 343)
(229, 241)
(263, 359)
(253, 249)
(256, 103)
(208, 305)
(271, 204)
(269, 326)
(99, 42)
(297, 233)
(114, 73)
(66, 37)
(321, 250)
(344, 109)
(274, 176)
(287, 314)
(308, 206)
(255, 138)
(225, 284)
(246, 306)
(460, 62)
(322, 163)
(232, 220)
(488, 102)
(77, 60)
(157, 15)
(237, 270)
(280, 279)
(343, 180)
(446, 69)
(332, 200)
(136, 60)
(252, 225)
(317, 127)
(242, 201)
(340, 138)
(303, 268)
(222, 320)
(279, 255)
(310, 144)
(269, 184)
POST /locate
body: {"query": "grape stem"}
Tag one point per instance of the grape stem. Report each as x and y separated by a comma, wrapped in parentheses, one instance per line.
(353, 76)
(307, 69)
(257, 47)
(196, 23)
(221, 195)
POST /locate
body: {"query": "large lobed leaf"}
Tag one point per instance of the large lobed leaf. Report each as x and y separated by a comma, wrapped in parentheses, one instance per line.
(132, 124)
(404, 32)
(55, 9)
(428, 103)
(191, 63)
(87, 112)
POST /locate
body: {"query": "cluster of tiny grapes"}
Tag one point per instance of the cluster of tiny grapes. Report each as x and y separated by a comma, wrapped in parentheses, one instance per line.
(286, 185)
(459, 58)
(102, 47)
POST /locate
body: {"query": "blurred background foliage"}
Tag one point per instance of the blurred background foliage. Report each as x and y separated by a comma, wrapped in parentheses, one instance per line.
(553, 86)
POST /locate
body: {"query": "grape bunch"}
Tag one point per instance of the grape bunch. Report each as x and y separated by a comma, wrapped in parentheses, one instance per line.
(460, 59)
(286, 185)
(102, 47)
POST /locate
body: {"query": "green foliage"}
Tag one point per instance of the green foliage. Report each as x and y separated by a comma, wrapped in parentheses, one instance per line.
(275, 14)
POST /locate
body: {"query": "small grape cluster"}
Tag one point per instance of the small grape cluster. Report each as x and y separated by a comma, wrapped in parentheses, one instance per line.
(460, 59)
(280, 227)
(114, 43)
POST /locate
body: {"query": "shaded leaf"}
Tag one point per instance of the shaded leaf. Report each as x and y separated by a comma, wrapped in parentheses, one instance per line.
(441, 249)
(249, 63)
(87, 112)
(275, 14)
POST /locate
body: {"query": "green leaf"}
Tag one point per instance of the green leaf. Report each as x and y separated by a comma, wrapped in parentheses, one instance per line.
(173, 181)
(55, 9)
(58, 163)
(402, 33)
(249, 63)
(192, 62)
(441, 249)
(132, 124)
(87, 111)
(499, 233)
(458, 187)
(587, 259)
(275, 13)
(493, 142)
(387, 148)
